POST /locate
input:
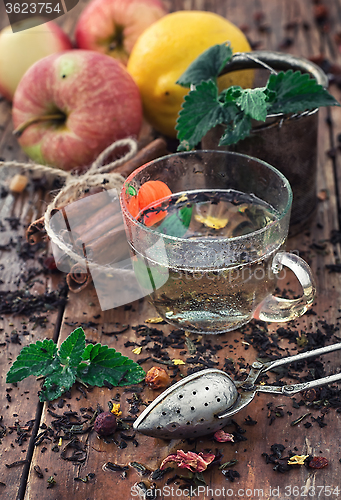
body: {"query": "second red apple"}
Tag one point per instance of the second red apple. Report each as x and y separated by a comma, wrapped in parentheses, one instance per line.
(113, 26)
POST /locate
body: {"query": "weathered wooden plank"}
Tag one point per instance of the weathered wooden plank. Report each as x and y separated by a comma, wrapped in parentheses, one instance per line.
(20, 410)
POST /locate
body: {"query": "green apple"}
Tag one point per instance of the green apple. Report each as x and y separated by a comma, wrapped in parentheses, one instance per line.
(19, 50)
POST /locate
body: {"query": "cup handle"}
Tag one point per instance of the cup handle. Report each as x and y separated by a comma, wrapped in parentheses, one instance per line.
(278, 309)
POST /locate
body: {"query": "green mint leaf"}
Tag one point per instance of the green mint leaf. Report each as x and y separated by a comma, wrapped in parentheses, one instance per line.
(147, 277)
(296, 91)
(231, 94)
(254, 103)
(34, 359)
(106, 364)
(206, 66)
(71, 350)
(177, 224)
(88, 350)
(186, 215)
(131, 190)
(58, 382)
(240, 128)
(200, 112)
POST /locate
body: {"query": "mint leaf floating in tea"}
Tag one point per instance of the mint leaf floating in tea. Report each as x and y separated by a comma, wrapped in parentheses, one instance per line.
(72, 362)
(176, 224)
(204, 107)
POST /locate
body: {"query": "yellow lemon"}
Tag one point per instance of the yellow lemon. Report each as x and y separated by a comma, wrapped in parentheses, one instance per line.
(165, 50)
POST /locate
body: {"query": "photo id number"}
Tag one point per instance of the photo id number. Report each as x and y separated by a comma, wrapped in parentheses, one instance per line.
(312, 491)
(32, 8)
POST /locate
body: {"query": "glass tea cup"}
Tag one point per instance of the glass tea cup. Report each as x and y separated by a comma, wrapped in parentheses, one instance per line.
(209, 255)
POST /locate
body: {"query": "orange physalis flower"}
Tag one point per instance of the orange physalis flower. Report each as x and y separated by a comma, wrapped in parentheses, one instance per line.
(149, 192)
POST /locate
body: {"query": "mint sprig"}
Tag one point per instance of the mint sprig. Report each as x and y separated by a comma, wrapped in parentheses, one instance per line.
(92, 365)
(209, 64)
(204, 108)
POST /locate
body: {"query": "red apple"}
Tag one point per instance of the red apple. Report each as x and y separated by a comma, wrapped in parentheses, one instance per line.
(113, 26)
(18, 51)
(69, 107)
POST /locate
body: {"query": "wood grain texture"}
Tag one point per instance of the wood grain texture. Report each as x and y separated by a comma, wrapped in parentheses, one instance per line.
(286, 25)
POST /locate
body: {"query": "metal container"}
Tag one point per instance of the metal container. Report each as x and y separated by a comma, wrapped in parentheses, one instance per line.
(288, 142)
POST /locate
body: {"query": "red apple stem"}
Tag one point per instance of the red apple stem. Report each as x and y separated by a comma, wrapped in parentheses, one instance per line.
(36, 119)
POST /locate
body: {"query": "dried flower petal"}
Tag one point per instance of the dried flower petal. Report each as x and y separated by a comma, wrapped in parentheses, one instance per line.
(222, 437)
(178, 362)
(212, 222)
(156, 319)
(137, 350)
(318, 462)
(116, 409)
(193, 461)
(297, 459)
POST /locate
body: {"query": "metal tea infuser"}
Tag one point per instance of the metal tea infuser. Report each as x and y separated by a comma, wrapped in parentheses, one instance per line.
(203, 402)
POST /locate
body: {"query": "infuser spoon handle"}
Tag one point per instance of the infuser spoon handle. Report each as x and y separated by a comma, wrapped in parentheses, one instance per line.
(298, 357)
(288, 390)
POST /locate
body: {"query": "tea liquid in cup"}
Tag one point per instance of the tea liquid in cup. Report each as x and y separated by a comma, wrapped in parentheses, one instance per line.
(210, 253)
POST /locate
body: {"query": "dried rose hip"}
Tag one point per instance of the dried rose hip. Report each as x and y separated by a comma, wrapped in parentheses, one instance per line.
(105, 423)
(157, 378)
(318, 463)
(50, 263)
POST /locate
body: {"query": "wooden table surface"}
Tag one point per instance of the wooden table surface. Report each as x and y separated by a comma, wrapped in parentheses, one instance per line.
(287, 25)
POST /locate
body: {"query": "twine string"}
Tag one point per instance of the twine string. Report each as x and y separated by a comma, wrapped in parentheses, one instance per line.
(74, 187)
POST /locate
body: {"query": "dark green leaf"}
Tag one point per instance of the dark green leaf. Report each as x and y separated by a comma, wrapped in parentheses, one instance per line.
(91, 350)
(109, 365)
(149, 278)
(207, 66)
(34, 359)
(200, 112)
(177, 224)
(60, 381)
(100, 363)
(231, 94)
(296, 91)
(240, 129)
(186, 215)
(254, 103)
(131, 190)
(72, 349)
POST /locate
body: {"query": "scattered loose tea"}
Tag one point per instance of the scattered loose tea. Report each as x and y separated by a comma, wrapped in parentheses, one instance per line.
(299, 419)
(51, 482)
(230, 474)
(115, 467)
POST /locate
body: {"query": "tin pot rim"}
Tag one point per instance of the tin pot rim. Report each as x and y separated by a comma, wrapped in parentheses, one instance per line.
(276, 61)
